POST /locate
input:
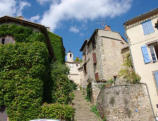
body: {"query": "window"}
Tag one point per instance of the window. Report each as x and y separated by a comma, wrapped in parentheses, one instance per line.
(3, 41)
(154, 51)
(156, 78)
(70, 55)
(147, 27)
(145, 54)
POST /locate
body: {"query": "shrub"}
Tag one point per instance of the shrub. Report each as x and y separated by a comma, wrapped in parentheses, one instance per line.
(128, 72)
(57, 111)
(89, 91)
(62, 86)
(22, 67)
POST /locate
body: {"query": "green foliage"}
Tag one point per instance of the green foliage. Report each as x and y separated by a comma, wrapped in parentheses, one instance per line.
(27, 78)
(21, 33)
(89, 91)
(22, 67)
(58, 47)
(128, 72)
(57, 111)
(78, 59)
(62, 86)
(96, 112)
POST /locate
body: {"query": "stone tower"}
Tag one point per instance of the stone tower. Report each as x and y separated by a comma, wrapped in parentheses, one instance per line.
(70, 57)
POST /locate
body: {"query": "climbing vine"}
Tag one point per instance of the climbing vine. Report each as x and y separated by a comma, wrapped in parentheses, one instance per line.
(28, 77)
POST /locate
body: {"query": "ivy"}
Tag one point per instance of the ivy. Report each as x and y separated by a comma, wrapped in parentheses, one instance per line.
(58, 47)
(21, 33)
(21, 85)
(28, 78)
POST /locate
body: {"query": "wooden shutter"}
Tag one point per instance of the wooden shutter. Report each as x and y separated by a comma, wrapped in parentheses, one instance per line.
(147, 27)
(96, 77)
(145, 54)
(94, 58)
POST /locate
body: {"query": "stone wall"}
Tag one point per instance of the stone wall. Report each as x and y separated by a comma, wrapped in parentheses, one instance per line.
(125, 103)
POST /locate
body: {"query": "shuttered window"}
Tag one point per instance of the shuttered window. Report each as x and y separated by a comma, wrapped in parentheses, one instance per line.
(156, 78)
(147, 27)
(145, 54)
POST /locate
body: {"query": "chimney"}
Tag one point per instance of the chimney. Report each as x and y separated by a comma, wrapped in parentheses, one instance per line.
(107, 28)
(20, 17)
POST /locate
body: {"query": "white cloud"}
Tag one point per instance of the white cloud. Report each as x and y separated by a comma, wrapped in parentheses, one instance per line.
(35, 18)
(7, 7)
(22, 5)
(12, 7)
(74, 29)
(83, 10)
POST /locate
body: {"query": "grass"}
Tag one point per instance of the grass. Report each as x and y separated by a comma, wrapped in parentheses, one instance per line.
(96, 112)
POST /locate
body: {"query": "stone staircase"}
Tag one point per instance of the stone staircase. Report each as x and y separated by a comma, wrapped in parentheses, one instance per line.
(82, 107)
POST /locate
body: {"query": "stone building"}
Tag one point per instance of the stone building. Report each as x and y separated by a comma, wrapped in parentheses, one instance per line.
(142, 35)
(74, 72)
(102, 58)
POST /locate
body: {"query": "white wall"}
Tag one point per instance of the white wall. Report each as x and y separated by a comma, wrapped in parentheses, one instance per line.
(137, 39)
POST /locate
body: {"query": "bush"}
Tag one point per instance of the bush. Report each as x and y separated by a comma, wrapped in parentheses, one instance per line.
(57, 111)
(89, 91)
(62, 86)
(128, 72)
(22, 67)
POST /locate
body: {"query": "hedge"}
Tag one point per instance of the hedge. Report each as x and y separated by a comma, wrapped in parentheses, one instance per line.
(57, 111)
(28, 78)
(22, 67)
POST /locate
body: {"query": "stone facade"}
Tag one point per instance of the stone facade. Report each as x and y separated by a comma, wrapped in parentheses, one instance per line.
(125, 103)
(143, 42)
(74, 73)
(102, 58)
(7, 39)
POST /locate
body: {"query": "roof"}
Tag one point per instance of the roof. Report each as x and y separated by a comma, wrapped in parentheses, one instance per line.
(85, 42)
(42, 28)
(94, 33)
(141, 17)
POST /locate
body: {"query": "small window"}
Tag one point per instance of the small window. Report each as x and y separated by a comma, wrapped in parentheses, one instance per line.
(154, 51)
(70, 55)
(147, 27)
(3, 41)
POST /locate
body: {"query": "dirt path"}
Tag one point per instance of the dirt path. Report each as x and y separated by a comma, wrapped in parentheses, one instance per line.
(82, 107)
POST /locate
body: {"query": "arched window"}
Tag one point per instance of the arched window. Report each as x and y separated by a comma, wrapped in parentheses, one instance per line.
(70, 55)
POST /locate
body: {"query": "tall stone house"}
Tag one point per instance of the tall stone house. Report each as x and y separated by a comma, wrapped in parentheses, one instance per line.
(74, 72)
(142, 36)
(102, 58)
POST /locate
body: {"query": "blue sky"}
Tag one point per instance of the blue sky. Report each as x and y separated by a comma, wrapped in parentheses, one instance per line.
(75, 20)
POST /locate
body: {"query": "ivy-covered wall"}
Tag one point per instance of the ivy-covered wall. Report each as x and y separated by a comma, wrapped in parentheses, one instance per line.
(58, 47)
(27, 76)
(22, 67)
